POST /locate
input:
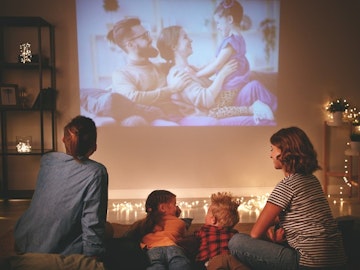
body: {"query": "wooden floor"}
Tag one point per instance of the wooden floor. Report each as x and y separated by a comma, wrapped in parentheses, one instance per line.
(10, 211)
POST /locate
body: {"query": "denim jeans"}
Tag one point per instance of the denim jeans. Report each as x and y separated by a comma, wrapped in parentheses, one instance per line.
(170, 257)
(260, 254)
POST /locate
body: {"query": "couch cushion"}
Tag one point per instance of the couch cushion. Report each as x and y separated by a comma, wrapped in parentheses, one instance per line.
(38, 261)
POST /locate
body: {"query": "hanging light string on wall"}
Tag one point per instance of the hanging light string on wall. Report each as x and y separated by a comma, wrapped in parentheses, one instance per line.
(346, 173)
(352, 116)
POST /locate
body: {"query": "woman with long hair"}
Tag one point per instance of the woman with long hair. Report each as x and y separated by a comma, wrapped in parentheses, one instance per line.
(67, 214)
(296, 229)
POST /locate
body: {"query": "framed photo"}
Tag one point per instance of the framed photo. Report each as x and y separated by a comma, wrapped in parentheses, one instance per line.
(9, 96)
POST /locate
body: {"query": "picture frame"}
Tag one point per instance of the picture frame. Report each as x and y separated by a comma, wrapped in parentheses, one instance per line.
(9, 95)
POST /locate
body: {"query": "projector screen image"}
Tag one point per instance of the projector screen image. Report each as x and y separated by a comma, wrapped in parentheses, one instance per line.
(178, 62)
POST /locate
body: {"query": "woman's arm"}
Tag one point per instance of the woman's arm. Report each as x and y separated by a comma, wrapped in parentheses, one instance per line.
(217, 64)
(225, 71)
(202, 95)
(266, 219)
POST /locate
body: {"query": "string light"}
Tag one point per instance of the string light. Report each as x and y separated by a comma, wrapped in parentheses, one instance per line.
(338, 105)
(353, 117)
(351, 114)
(128, 212)
(346, 173)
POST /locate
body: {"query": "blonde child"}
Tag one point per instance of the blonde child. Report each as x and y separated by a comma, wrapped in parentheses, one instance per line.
(221, 217)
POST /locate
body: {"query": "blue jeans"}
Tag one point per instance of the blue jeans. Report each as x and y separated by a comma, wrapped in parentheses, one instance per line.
(260, 254)
(170, 257)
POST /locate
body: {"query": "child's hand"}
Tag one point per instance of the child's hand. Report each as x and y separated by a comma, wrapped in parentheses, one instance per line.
(276, 234)
(178, 211)
(178, 81)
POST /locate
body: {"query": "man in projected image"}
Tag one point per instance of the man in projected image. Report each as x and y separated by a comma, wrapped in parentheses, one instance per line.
(141, 80)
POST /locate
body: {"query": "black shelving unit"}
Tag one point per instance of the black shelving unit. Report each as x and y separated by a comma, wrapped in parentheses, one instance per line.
(42, 74)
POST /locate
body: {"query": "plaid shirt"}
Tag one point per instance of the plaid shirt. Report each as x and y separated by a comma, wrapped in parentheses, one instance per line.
(213, 241)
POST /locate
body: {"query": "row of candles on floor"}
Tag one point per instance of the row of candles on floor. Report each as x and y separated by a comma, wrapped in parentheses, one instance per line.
(129, 211)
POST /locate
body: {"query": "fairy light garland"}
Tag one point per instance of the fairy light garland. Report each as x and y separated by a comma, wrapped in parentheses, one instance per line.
(338, 105)
(352, 116)
(346, 173)
(132, 210)
(128, 212)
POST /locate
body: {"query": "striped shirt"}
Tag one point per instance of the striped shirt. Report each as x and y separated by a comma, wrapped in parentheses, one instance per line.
(308, 222)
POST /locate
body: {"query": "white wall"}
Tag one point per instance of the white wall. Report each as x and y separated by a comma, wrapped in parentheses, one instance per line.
(319, 59)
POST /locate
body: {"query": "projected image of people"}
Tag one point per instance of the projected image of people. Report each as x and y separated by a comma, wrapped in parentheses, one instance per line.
(179, 63)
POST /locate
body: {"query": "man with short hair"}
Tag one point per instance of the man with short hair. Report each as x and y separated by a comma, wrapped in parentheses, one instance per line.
(141, 80)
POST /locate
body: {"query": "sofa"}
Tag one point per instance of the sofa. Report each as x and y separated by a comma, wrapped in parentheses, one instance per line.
(107, 108)
(126, 255)
(123, 253)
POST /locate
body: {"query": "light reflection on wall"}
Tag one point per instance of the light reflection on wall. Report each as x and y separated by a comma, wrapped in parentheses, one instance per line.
(128, 211)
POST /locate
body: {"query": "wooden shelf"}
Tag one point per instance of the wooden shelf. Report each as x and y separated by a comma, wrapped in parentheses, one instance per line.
(34, 152)
(349, 153)
(41, 119)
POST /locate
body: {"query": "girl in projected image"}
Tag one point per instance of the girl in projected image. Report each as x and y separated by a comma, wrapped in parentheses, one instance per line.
(296, 229)
(160, 230)
(228, 16)
(202, 93)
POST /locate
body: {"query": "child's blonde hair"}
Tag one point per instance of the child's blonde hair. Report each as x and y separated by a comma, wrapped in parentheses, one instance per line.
(224, 208)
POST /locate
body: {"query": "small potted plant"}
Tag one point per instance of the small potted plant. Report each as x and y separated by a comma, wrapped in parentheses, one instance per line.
(337, 108)
(355, 137)
(268, 28)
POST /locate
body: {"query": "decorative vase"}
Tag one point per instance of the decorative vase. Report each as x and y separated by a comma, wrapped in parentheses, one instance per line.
(337, 118)
(23, 144)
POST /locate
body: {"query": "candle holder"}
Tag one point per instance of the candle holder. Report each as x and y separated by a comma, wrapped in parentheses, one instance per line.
(23, 144)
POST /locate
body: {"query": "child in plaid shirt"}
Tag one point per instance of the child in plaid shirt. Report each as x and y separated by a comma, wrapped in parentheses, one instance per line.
(215, 234)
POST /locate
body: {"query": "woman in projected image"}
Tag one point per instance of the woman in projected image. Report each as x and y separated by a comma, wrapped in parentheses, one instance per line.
(296, 229)
(202, 93)
(228, 16)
